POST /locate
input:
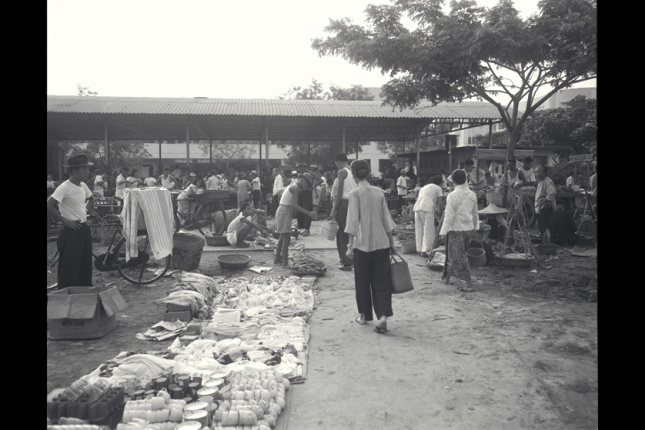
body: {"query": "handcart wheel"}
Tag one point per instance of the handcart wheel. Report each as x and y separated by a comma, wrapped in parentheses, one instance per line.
(141, 269)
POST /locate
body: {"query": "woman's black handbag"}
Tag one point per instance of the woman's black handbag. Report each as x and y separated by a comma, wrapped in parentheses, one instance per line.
(400, 275)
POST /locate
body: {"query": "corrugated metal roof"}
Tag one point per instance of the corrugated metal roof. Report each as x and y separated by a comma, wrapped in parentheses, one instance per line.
(263, 107)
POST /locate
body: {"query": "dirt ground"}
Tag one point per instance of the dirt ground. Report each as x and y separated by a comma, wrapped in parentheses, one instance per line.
(502, 357)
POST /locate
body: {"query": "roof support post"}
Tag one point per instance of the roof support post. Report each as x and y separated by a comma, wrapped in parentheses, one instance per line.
(490, 134)
(418, 151)
(160, 166)
(210, 152)
(309, 153)
(357, 149)
(343, 138)
(260, 160)
(187, 148)
(266, 140)
(107, 149)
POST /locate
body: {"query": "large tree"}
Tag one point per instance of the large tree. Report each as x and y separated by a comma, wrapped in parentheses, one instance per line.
(472, 52)
(574, 126)
(322, 153)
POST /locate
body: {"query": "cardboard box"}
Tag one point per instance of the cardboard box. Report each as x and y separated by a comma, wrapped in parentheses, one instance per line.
(176, 308)
(83, 312)
(184, 316)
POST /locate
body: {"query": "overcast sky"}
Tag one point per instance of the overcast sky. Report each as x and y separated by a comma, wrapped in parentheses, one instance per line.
(201, 48)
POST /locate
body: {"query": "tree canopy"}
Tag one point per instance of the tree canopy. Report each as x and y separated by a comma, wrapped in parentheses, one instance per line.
(472, 52)
(230, 150)
(123, 153)
(574, 126)
(322, 153)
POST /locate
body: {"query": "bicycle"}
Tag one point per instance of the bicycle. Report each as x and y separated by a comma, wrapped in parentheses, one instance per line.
(208, 205)
(114, 257)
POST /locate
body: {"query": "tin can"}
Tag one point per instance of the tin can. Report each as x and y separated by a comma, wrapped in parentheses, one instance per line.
(183, 381)
(206, 391)
(139, 394)
(200, 416)
(189, 425)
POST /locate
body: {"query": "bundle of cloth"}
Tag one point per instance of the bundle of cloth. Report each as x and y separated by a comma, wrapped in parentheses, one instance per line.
(202, 284)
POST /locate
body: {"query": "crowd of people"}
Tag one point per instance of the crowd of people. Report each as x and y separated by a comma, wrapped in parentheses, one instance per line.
(361, 203)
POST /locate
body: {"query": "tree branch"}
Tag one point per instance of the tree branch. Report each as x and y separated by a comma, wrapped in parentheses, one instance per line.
(498, 79)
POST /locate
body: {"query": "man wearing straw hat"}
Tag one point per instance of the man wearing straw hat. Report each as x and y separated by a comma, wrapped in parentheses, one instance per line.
(73, 198)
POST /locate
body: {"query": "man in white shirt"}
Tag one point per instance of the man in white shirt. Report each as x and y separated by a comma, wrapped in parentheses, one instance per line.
(401, 187)
(213, 182)
(570, 181)
(256, 192)
(73, 198)
(121, 182)
(346, 184)
(150, 181)
(166, 180)
(278, 187)
(529, 173)
(240, 227)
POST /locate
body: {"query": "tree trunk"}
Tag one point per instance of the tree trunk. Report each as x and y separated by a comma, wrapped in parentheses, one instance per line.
(513, 138)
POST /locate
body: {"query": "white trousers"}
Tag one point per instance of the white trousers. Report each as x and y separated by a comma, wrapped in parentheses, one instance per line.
(424, 230)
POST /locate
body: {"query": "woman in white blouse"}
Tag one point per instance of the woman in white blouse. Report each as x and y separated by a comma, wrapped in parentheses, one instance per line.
(369, 226)
(424, 214)
(459, 223)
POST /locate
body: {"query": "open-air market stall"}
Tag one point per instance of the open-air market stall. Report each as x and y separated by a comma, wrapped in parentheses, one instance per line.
(231, 367)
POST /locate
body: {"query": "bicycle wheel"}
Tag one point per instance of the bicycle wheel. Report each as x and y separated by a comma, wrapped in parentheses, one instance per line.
(207, 214)
(529, 211)
(52, 253)
(141, 269)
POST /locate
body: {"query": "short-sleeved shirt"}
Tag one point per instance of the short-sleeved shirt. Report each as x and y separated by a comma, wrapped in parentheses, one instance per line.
(150, 182)
(236, 224)
(132, 182)
(243, 188)
(212, 183)
(256, 184)
(528, 174)
(98, 181)
(427, 199)
(570, 181)
(189, 191)
(277, 185)
(71, 200)
(121, 187)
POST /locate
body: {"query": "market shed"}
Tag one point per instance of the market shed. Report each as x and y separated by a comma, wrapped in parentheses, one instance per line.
(264, 120)
(433, 162)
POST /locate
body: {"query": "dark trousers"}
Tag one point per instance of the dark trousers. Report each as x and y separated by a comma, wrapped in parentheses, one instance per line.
(275, 202)
(544, 219)
(305, 201)
(373, 282)
(257, 199)
(75, 257)
(342, 238)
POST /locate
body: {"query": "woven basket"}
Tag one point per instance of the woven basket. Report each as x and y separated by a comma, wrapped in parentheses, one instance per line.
(233, 261)
(216, 241)
(409, 247)
(476, 257)
(546, 249)
(513, 262)
(186, 251)
(329, 229)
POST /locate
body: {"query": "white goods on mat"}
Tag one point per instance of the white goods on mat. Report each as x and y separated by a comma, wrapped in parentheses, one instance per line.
(163, 330)
(240, 293)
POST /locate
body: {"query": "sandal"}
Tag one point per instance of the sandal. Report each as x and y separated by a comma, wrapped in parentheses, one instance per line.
(380, 330)
(358, 320)
(346, 268)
